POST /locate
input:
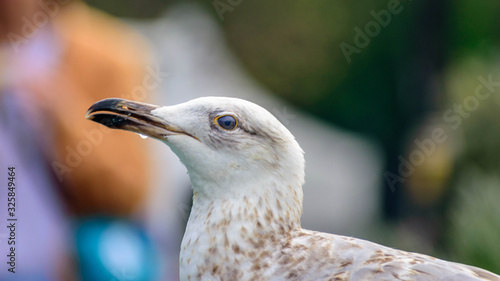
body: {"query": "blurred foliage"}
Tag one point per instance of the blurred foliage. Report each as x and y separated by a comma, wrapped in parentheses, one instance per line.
(481, 136)
(473, 28)
(474, 216)
(475, 221)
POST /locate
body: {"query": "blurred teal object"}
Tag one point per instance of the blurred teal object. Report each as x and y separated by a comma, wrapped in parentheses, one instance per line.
(111, 249)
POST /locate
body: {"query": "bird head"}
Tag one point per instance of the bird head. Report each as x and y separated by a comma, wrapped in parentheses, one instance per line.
(228, 145)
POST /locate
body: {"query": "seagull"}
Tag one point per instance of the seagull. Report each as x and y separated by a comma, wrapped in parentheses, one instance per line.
(247, 172)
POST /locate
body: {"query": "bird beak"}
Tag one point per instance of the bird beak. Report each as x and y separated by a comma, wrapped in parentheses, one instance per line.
(132, 116)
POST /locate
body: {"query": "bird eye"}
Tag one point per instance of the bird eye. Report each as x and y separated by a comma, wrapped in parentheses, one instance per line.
(227, 122)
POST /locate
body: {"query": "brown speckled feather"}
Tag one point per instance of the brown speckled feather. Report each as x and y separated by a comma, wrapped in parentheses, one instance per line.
(281, 253)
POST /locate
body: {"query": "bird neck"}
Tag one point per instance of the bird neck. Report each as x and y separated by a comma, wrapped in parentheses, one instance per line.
(273, 205)
(268, 198)
(225, 231)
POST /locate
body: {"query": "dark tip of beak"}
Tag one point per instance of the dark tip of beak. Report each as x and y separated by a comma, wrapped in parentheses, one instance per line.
(132, 116)
(104, 105)
(127, 115)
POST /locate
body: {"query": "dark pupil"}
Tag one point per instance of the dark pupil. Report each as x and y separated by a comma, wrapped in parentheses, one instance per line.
(227, 122)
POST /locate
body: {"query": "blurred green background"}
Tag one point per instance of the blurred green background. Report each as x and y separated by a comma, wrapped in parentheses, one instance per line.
(422, 66)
